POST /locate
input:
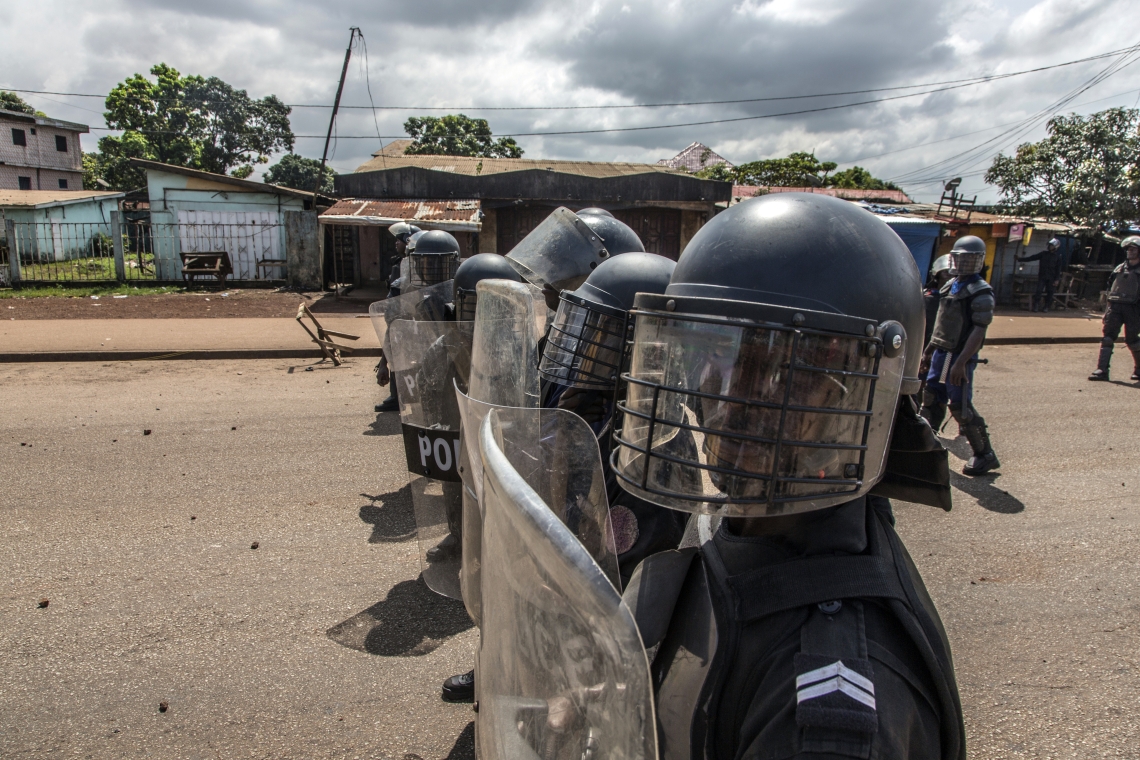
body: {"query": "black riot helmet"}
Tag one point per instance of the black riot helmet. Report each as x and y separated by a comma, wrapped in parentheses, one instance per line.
(617, 236)
(765, 379)
(967, 256)
(482, 266)
(433, 256)
(587, 338)
(565, 247)
(594, 210)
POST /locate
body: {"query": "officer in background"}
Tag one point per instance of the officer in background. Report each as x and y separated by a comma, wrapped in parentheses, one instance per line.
(582, 359)
(932, 292)
(1048, 274)
(793, 623)
(1123, 310)
(401, 231)
(964, 313)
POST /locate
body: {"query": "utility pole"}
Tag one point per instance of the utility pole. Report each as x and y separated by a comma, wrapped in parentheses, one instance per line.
(353, 31)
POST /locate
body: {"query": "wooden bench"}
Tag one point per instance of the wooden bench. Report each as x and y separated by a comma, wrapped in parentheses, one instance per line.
(270, 264)
(206, 264)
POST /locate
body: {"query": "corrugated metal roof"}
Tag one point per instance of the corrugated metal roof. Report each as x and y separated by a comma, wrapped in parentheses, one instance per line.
(42, 198)
(694, 158)
(444, 215)
(849, 194)
(483, 166)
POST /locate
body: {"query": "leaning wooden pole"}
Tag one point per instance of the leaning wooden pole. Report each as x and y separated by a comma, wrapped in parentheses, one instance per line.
(353, 31)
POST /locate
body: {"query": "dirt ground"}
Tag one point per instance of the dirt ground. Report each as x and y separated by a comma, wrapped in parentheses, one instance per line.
(228, 303)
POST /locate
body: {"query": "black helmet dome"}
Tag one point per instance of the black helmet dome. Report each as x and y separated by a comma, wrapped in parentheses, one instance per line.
(481, 266)
(595, 211)
(969, 244)
(766, 378)
(587, 339)
(436, 242)
(617, 237)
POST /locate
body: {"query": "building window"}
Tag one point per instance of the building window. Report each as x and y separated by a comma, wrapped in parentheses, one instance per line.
(63, 184)
(61, 143)
(25, 183)
(19, 138)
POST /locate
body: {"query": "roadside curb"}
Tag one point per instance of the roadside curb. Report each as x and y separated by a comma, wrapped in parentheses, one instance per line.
(21, 357)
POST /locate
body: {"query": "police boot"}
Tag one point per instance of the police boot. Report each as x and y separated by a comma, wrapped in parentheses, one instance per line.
(984, 458)
(446, 549)
(390, 404)
(1101, 371)
(460, 688)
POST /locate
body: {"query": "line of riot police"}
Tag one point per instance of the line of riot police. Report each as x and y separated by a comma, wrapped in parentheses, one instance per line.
(662, 490)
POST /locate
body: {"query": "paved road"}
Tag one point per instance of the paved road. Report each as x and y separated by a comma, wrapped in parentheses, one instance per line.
(321, 643)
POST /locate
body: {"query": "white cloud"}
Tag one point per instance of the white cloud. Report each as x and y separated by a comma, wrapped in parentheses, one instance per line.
(597, 52)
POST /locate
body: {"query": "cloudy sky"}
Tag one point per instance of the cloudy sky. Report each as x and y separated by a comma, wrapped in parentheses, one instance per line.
(525, 53)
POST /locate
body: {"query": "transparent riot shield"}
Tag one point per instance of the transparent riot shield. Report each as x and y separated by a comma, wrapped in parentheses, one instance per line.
(560, 252)
(509, 323)
(423, 305)
(562, 672)
(429, 360)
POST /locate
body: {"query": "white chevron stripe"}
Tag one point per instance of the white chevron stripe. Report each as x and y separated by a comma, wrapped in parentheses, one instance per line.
(833, 685)
(836, 668)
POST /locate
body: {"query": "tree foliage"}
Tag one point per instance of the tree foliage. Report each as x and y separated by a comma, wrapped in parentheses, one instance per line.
(192, 121)
(796, 170)
(457, 135)
(299, 173)
(1086, 171)
(10, 101)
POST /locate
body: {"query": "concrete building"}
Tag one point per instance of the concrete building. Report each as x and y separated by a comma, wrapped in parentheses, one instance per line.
(696, 157)
(38, 153)
(255, 223)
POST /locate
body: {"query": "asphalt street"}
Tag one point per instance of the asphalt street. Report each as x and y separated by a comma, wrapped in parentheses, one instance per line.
(322, 643)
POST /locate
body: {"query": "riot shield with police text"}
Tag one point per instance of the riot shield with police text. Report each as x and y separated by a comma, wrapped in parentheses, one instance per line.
(429, 360)
(562, 671)
(423, 305)
(560, 252)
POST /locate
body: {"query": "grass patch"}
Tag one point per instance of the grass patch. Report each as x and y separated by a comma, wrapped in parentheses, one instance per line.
(83, 291)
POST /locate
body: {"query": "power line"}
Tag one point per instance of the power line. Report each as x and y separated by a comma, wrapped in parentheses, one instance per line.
(967, 81)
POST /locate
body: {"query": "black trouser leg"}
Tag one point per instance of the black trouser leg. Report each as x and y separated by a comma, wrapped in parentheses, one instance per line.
(1113, 321)
(933, 410)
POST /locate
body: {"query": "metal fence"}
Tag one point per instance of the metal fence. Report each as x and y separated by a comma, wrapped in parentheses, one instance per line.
(135, 250)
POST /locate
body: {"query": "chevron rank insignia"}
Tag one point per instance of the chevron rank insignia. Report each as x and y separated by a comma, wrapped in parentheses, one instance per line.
(835, 693)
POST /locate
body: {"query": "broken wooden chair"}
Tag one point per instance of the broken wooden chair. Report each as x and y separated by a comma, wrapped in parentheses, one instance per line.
(323, 337)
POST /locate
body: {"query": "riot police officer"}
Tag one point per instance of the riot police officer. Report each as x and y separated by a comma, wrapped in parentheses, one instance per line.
(1123, 310)
(1048, 274)
(964, 313)
(932, 292)
(402, 231)
(580, 366)
(762, 390)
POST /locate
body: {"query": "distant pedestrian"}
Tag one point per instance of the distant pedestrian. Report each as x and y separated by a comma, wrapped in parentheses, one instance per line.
(1123, 310)
(1048, 274)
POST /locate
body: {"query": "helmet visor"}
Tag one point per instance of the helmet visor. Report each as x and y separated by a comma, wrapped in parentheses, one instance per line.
(746, 419)
(465, 303)
(964, 263)
(431, 269)
(584, 346)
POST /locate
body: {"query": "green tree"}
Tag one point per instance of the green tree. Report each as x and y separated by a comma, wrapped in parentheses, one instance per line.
(858, 178)
(10, 101)
(797, 170)
(719, 172)
(197, 122)
(299, 173)
(457, 135)
(1086, 171)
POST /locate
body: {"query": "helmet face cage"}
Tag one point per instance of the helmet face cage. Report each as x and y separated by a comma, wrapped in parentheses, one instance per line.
(465, 303)
(966, 263)
(751, 418)
(585, 344)
(431, 268)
